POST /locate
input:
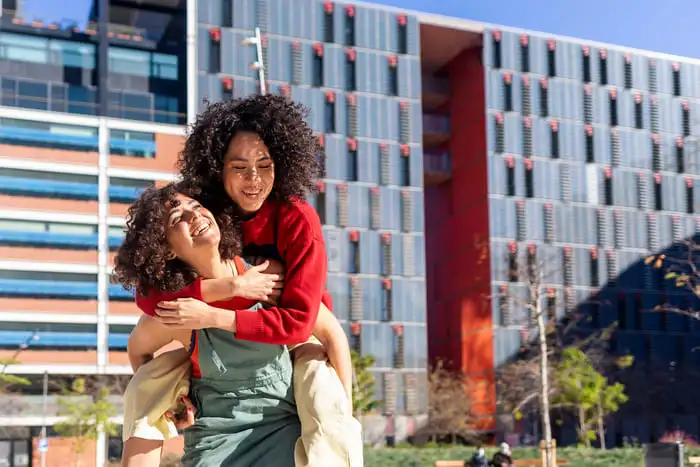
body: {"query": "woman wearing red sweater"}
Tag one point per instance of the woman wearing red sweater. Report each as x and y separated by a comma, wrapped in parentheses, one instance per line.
(253, 162)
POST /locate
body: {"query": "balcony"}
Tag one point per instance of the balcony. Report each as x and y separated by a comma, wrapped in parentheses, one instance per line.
(437, 167)
(436, 130)
(435, 91)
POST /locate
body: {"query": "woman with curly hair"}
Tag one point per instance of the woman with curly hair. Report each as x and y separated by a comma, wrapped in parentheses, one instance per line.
(242, 391)
(253, 161)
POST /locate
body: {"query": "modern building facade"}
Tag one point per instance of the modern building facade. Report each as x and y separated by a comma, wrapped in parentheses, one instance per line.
(90, 119)
(581, 157)
(450, 149)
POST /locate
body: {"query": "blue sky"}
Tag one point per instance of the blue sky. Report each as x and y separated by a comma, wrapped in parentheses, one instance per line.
(664, 26)
(668, 26)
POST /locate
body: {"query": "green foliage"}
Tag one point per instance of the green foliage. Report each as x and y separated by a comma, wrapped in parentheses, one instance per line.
(364, 384)
(587, 392)
(6, 381)
(85, 414)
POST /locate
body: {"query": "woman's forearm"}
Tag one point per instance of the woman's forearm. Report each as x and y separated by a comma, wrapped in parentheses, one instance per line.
(330, 333)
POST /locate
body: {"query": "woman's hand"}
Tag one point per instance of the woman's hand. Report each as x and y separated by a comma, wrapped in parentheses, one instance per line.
(187, 313)
(255, 284)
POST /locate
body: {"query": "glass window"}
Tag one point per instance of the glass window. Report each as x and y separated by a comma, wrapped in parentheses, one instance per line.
(352, 166)
(24, 48)
(214, 56)
(393, 81)
(37, 175)
(317, 75)
(128, 61)
(330, 117)
(164, 66)
(166, 110)
(354, 263)
(349, 29)
(114, 231)
(403, 39)
(21, 226)
(76, 229)
(73, 54)
(227, 13)
(350, 80)
(33, 95)
(405, 170)
(328, 27)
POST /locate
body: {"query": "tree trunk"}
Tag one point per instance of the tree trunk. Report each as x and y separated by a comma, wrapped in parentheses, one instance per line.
(582, 428)
(544, 381)
(601, 426)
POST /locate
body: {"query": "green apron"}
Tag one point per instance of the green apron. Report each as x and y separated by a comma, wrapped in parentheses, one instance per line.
(246, 413)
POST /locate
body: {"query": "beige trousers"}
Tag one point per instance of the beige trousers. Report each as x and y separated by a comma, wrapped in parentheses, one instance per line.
(330, 435)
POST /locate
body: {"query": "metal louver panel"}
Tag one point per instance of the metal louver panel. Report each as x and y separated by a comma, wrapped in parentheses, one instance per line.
(375, 205)
(500, 134)
(676, 229)
(520, 221)
(504, 306)
(411, 387)
(384, 165)
(654, 114)
(643, 190)
(628, 71)
(652, 232)
(526, 95)
(386, 242)
(262, 14)
(407, 210)
(404, 123)
(265, 48)
(618, 230)
(568, 266)
(389, 383)
(343, 205)
(656, 164)
(356, 313)
(587, 105)
(601, 227)
(549, 235)
(527, 136)
(409, 268)
(565, 182)
(352, 115)
(399, 356)
(653, 85)
(615, 147)
(569, 300)
(612, 266)
(297, 65)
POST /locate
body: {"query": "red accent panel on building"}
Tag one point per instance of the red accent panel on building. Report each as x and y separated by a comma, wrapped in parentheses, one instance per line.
(457, 234)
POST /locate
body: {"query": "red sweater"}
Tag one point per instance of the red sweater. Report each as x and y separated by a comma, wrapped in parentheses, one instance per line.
(302, 249)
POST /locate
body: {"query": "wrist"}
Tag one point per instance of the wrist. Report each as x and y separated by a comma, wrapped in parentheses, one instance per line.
(234, 286)
(225, 319)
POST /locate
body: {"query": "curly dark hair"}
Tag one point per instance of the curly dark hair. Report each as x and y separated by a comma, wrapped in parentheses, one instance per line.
(281, 125)
(143, 261)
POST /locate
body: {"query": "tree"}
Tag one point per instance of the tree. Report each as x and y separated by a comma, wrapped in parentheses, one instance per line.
(8, 381)
(545, 335)
(449, 404)
(586, 391)
(363, 383)
(86, 416)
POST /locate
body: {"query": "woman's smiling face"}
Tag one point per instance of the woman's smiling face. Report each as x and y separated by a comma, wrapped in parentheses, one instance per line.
(249, 171)
(190, 227)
